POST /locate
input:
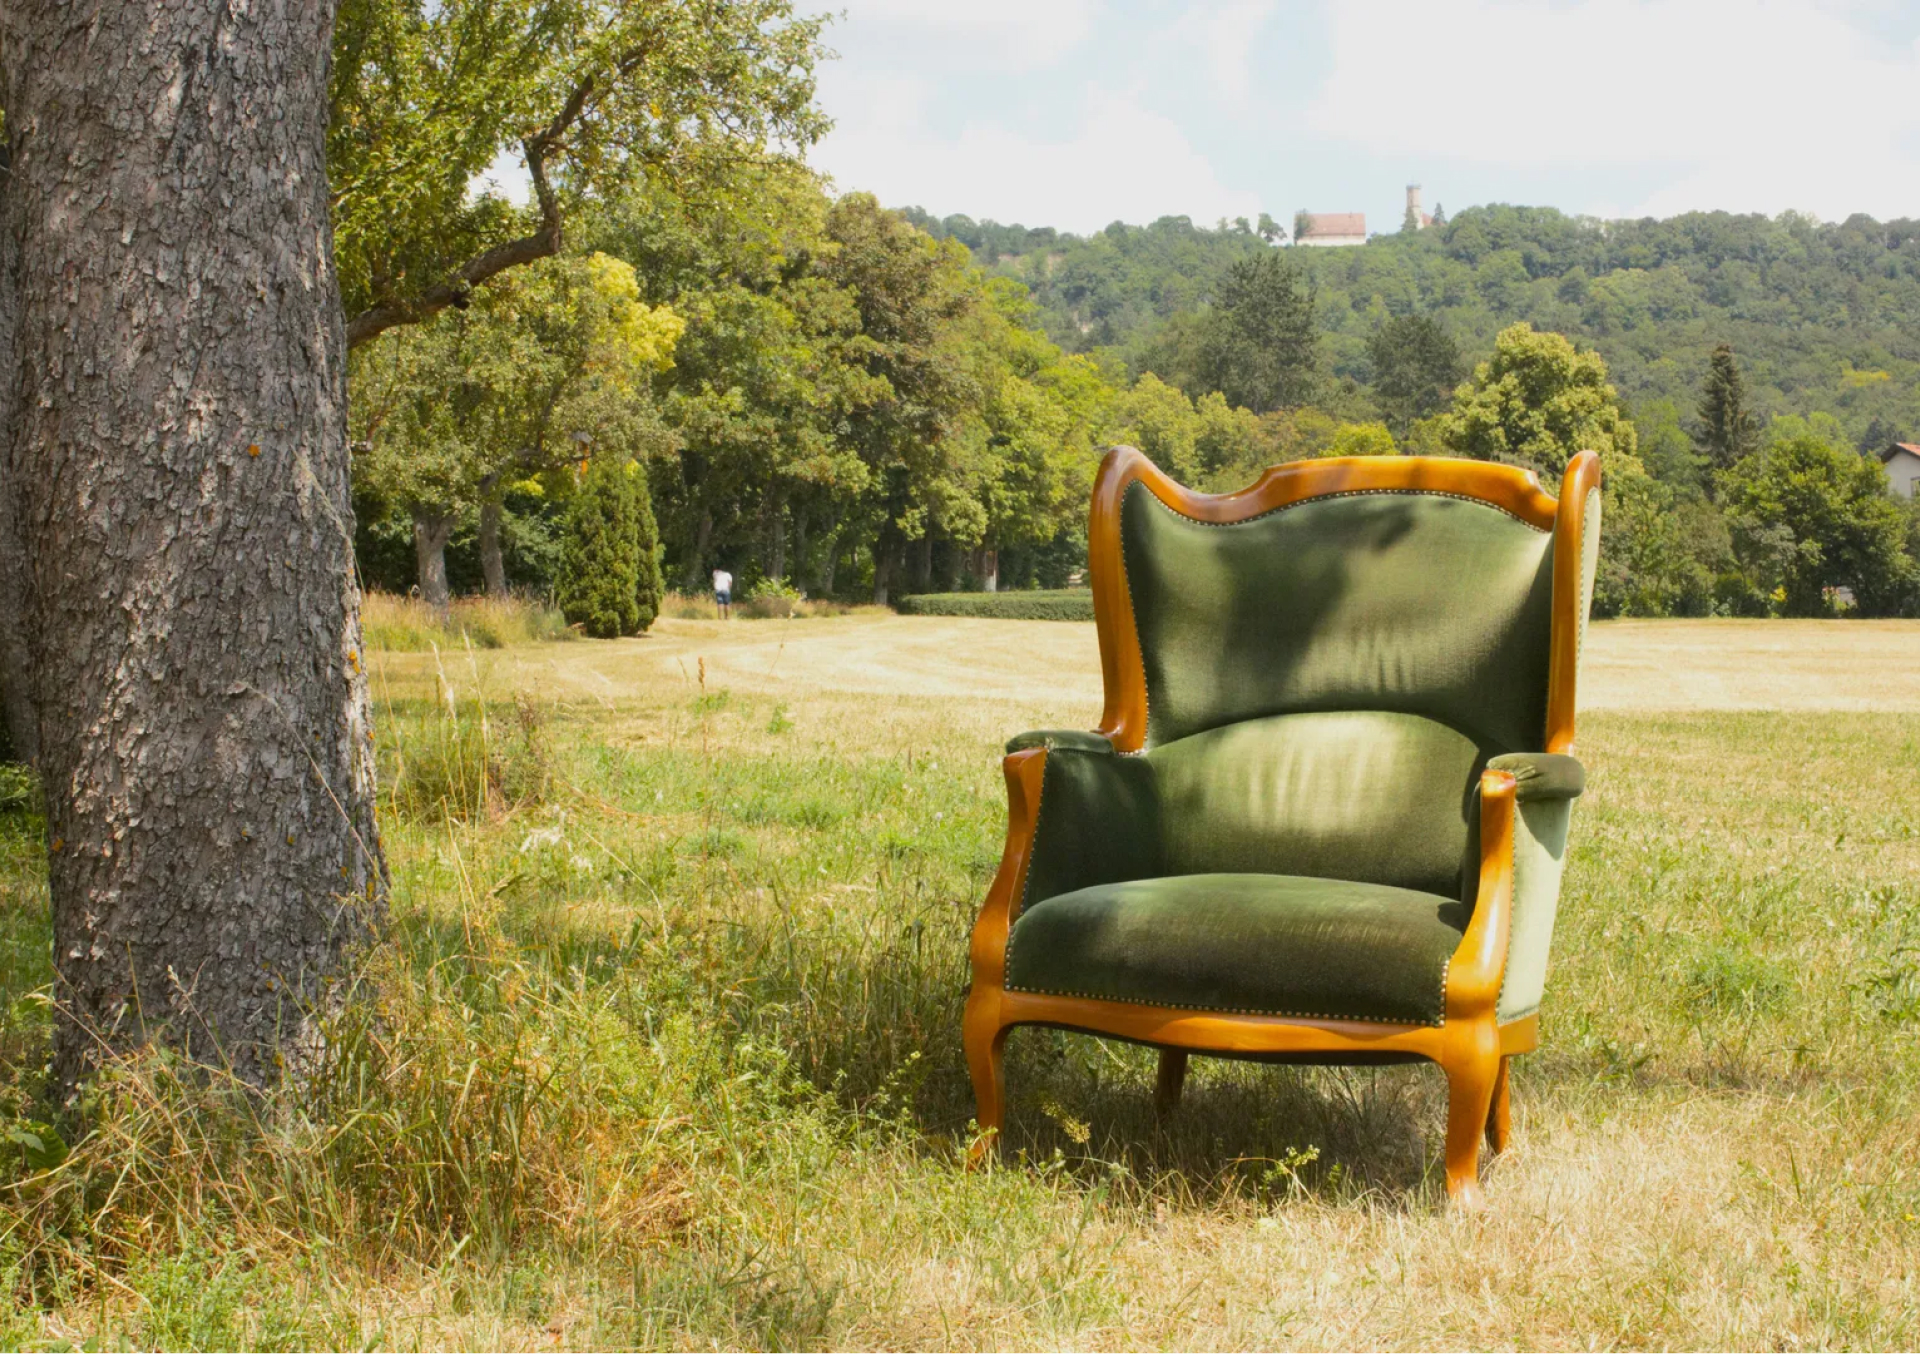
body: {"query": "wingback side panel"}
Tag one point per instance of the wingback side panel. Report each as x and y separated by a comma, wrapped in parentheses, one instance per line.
(1419, 603)
(1370, 796)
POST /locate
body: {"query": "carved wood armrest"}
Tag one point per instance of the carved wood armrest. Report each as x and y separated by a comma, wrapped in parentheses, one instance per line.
(1473, 976)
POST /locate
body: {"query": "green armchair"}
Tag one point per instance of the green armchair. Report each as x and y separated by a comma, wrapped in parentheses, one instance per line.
(1325, 814)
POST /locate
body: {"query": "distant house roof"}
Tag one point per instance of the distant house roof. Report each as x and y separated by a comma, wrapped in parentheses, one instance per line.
(1911, 448)
(1334, 223)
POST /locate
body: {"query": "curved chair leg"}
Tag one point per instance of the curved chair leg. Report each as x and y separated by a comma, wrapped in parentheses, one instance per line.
(985, 1040)
(1173, 1076)
(1499, 1114)
(1470, 1086)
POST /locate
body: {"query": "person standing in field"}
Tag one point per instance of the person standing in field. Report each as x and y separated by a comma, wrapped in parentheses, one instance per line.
(723, 593)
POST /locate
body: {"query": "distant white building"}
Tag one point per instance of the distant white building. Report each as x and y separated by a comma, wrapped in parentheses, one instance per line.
(1902, 461)
(1330, 229)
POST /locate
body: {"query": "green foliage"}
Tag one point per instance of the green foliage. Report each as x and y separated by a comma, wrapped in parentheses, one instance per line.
(426, 94)
(648, 586)
(483, 402)
(599, 583)
(1362, 439)
(1536, 402)
(1066, 604)
(1260, 347)
(1728, 432)
(1810, 517)
(1803, 303)
(1416, 365)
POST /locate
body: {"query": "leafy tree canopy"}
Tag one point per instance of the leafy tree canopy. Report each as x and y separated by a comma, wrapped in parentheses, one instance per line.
(427, 94)
(1536, 402)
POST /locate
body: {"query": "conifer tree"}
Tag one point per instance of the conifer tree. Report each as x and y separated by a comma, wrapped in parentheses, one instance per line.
(646, 551)
(599, 583)
(1728, 431)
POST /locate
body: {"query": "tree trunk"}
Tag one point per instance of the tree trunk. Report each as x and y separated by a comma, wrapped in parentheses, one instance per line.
(431, 532)
(923, 564)
(777, 535)
(177, 446)
(493, 566)
(883, 555)
(832, 564)
(986, 568)
(697, 562)
(803, 571)
(16, 670)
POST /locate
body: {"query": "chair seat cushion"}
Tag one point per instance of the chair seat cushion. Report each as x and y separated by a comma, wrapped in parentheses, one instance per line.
(1249, 944)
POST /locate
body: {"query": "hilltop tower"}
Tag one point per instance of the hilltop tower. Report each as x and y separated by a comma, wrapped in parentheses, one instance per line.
(1415, 219)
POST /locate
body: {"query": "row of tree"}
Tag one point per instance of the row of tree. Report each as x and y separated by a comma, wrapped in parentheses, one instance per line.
(823, 394)
(829, 397)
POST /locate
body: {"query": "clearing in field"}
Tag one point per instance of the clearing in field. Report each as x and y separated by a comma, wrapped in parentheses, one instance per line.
(667, 1048)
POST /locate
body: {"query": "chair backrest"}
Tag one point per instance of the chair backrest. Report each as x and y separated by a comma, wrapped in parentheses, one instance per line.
(1319, 665)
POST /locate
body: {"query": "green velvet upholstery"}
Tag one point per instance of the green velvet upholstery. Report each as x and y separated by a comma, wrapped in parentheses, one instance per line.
(1256, 944)
(1420, 603)
(1325, 685)
(1541, 775)
(1099, 822)
(1369, 795)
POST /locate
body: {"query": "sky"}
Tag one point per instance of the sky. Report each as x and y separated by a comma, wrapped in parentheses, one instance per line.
(1076, 113)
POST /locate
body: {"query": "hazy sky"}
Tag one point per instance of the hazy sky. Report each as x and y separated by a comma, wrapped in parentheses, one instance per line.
(1074, 113)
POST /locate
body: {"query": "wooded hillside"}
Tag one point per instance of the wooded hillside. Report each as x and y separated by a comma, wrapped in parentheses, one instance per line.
(1825, 317)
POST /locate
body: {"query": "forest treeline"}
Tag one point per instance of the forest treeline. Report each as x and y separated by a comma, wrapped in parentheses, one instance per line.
(834, 398)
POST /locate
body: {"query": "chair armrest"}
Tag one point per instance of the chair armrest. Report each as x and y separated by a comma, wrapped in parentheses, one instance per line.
(1077, 740)
(1077, 815)
(1542, 775)
(1545, 786)
(1098, 822)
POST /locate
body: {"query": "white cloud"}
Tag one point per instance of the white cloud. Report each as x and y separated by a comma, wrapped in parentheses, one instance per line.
(1122, 162)
(1017, 34)
(1225, 34)
(1757, 107)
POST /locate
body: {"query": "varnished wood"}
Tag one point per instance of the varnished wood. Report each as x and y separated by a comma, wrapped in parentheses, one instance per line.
(1471, 1047)
(985, 1024)
(1124, 719)
(1500, 1117)
(1563, 662)
(1172, 1078)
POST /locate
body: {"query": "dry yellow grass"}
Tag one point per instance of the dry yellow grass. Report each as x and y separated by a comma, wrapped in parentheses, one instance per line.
(1628, 665)
(745, 898)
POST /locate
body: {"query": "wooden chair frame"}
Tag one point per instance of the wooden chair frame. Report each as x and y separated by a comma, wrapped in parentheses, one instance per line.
(1471, 1046)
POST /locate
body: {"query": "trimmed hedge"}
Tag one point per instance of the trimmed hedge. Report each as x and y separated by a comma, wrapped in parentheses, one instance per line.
(1063, 604)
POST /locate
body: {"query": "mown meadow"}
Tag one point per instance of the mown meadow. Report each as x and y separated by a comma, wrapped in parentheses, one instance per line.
(663, 1050)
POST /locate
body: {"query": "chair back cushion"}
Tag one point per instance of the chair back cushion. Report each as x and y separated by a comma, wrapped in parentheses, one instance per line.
(1376, 796)
(1414, 602)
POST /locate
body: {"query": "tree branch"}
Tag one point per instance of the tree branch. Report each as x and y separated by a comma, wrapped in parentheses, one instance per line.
(544, 242)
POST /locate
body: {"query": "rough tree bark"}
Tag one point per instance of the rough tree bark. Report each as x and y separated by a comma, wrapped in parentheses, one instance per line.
(16, 672)
(493, 564)
(176, 444)
(431, 532)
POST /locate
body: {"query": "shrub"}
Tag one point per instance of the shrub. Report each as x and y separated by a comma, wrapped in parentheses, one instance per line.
(599, 584)
(647, 594)
(1064, 604)
(772, 599)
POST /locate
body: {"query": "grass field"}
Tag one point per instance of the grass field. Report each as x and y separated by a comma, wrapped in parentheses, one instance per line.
(664, 1050)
